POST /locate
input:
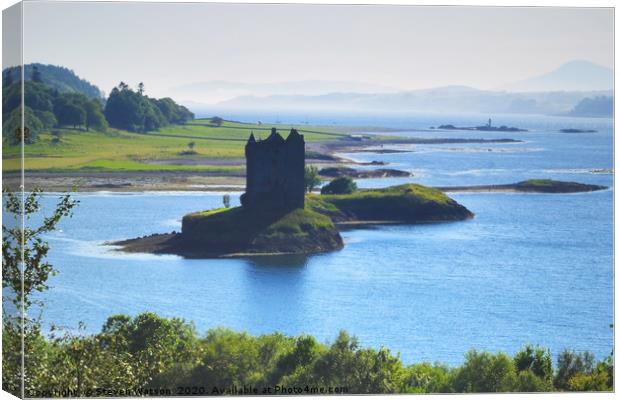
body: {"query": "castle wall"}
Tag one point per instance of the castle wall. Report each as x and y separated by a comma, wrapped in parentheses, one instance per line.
(275, 172)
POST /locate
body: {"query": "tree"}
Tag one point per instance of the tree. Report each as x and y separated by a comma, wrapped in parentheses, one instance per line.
(537, 360)
(27, 245)
(346, 364)
(343, 185)
(217, 121)
(484, 372)
(126, 109)
(427, 378)
(7, 77)
(226, 200)
(25, 272)
(141, 88)
(36, 75)
(191, 145)
(47, 118)
(94, 115)
(570, 364)
(12, 128)
(230, 358)
(69, 109)
(173, 112)
(311, 178)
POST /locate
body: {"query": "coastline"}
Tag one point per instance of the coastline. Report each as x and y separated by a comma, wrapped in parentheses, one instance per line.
(323, 153)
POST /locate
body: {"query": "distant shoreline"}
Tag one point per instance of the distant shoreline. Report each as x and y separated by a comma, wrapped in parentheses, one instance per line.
(319, 152)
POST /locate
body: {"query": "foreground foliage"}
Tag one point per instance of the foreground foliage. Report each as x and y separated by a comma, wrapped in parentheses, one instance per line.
(149, 351)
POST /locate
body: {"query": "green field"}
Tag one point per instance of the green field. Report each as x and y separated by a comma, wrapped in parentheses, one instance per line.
(117, 150)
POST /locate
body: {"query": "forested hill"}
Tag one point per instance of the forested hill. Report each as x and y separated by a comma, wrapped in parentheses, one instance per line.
(56, 98)
(60, 78)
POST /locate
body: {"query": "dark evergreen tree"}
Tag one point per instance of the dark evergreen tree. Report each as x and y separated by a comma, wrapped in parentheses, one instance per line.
(36, 75)
(69, 109)
(7, 77)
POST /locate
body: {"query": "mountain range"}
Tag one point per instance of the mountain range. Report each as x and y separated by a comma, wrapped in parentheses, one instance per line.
(555, 92)
(215, 91)
(576, 75)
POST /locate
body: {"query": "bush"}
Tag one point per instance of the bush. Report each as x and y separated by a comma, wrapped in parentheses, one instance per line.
(537, 360)
(484, 372)
(570, 364)
(427, 378)
(344, 185)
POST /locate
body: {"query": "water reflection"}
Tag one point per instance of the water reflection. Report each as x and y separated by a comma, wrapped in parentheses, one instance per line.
(280, 261)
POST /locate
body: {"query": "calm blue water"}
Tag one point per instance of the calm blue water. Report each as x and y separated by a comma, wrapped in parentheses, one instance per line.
(530, 268)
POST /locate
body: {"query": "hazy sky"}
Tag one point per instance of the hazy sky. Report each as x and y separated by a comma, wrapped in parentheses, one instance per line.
(406, 47)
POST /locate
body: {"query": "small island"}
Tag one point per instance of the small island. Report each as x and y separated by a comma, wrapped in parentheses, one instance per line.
(575, 130)
(486, 128)
(337, 172)
(530, 186)
(276, 215)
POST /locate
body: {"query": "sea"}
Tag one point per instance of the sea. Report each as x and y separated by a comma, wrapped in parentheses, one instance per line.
(528, 269)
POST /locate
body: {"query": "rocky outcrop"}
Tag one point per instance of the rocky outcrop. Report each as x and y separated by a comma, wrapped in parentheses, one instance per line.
(238, 231)
(338, 172)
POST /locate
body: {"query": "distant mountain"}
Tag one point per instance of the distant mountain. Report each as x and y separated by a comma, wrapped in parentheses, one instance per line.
(215, 91)
(60, 78)
(445, 99)
(575, 75)
(601, 106)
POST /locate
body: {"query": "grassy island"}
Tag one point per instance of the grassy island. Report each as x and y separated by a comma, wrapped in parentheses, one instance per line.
(409, 203)
(551, 186)
(530, 186)
(239, 231)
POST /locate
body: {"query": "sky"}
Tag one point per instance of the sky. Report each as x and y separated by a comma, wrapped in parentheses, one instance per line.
(401, 47)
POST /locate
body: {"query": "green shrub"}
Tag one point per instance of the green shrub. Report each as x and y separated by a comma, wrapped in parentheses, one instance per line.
(484, 372)
(343, 185)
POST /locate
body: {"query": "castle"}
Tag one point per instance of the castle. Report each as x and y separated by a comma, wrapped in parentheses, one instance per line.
(275, 172)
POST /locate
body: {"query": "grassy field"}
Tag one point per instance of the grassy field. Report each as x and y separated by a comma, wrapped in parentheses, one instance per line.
(117, 150)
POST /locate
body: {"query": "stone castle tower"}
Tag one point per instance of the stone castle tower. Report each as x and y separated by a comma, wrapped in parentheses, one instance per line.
(275, 172)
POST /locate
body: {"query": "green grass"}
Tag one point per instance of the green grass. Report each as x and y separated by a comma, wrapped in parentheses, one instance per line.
(240, 224)
(117, 150)
(298, 222)
(539, 182)
(551, 186)
(403, 203)
(237, 229)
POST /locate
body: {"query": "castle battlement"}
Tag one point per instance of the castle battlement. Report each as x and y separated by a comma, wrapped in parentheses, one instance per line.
(275, 172)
